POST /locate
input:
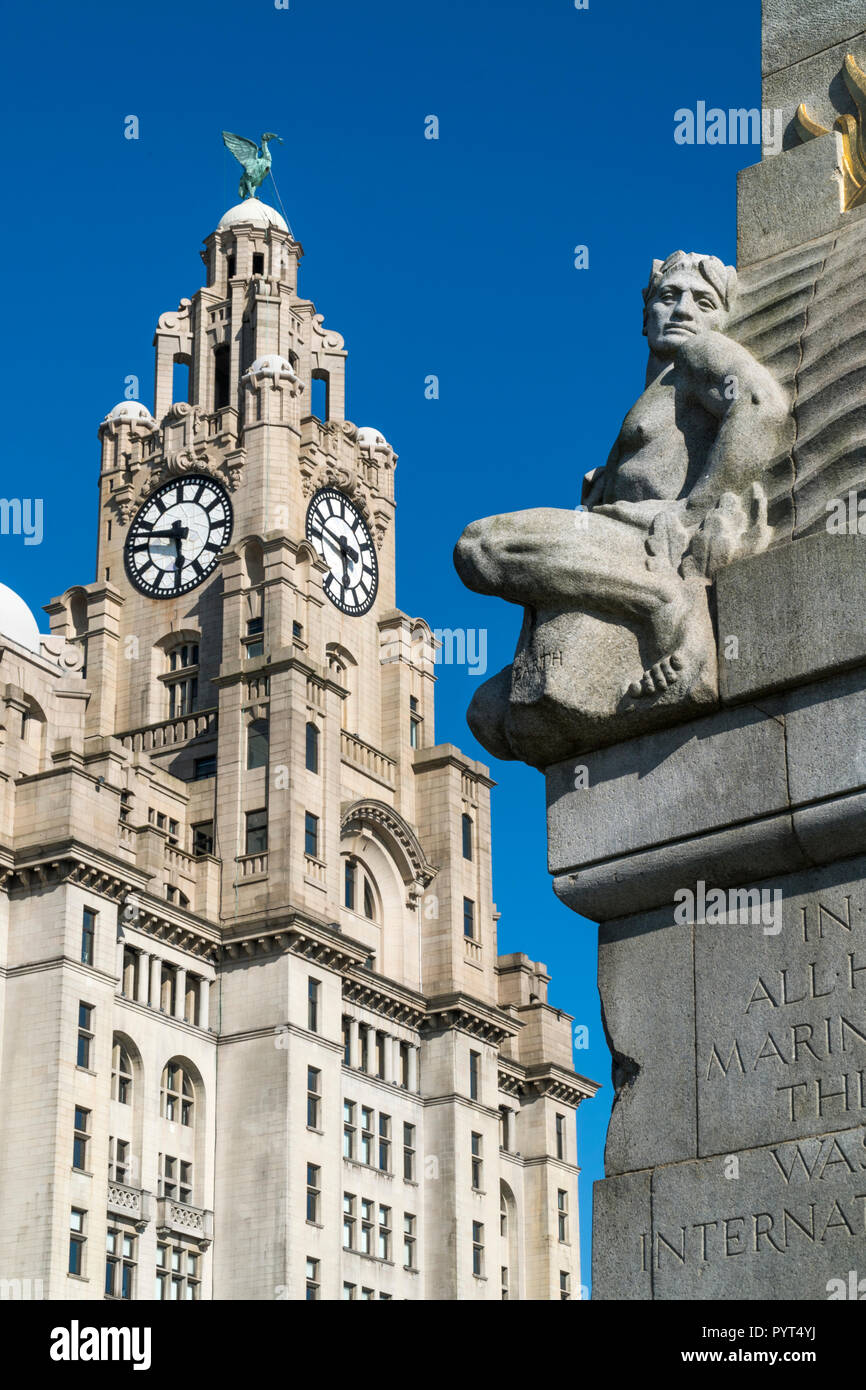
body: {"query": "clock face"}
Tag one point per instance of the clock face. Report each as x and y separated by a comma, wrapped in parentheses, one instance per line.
(339, 534)
(177, 536)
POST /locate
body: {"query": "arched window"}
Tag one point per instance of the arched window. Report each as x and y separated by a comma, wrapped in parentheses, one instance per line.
(312, 751)
(180, 380)
(121, 1074)
(176, 1095)
(359, 890)
(221, 370)
(320, 391)
(182, 678)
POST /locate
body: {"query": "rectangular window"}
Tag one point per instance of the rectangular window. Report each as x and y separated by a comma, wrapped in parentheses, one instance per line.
(348, 1221)
(474, 1074)
(384, 1247)
(204, 767)
(367, 1295)
(347, 1041)
(203, 838)
(504, 1283)
(77, 1241)
(314, 990)
(349, 1129)
(409, 1241)
(469, 919)
(366, 1135)
(85, 1036)
(311, 835)
(129, 980)
(258, 738)
(257, 832)
(384, 1143)
(255, 646)
(298, 630)
(350, 1291)
(409, 1152)
(88, 936)
(178, 1273)
(366, 1227)
(349, 885)
(562, 1215)
(313, 1287)
(311, 751)
(258, 263)
(380, 1055)
(564, 1285)
(120, 1263)
(478, 1248)
(414, 723)
(313, 1191)
(182, 697)
(80, 1139)
(477, 1165)
(364, 1047)
(184, 1187)
(118, 1160)
(560, 1136)
(505, 1128)
(314, 1097)
(467, 837)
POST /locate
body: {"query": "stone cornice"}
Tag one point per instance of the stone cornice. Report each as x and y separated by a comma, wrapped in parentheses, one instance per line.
(385, 997)
(461, 1011)
(545, 1079)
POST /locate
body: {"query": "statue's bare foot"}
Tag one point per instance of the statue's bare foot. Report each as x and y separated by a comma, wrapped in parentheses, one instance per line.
(680, 632)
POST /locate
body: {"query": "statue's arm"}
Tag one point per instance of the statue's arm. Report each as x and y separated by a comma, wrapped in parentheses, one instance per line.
(596, 480)
(752, 410)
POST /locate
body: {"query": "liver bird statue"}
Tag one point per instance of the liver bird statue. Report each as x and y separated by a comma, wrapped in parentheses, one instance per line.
(256, 161)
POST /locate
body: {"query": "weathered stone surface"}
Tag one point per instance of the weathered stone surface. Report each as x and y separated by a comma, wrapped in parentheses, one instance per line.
(780, 1009)
(649, 958)
(668, 785)
(789, 31)
(776, 1222)
(621, 1210)
(815, 81)
(785, 201)
(796, 612)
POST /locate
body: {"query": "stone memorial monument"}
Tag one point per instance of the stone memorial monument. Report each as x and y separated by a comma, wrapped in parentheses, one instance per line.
(690, 676)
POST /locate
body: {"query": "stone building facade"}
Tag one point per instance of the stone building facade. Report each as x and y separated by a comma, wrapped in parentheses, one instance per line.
(256, 1038)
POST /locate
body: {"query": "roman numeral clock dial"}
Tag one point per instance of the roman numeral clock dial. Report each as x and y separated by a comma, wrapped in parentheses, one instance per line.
(177, 536)
(338, 531)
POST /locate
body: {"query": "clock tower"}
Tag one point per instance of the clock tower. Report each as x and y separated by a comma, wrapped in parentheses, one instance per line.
(309, 1073)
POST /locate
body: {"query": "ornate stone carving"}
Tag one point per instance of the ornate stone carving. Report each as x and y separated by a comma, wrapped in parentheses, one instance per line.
(617, 635)
(852, 164)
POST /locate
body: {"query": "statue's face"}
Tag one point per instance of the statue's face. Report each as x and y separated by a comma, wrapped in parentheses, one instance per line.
(683, 305)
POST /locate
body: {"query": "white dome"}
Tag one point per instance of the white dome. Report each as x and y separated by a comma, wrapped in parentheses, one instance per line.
(273, 365)
(251, 210)
(16, 621)
(370, 438)
(130, 410)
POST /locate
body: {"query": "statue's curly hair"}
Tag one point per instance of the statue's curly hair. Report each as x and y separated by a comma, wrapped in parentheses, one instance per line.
(722, 278)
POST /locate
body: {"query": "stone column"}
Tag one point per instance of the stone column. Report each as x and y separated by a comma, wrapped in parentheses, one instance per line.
(180, 992)
(142, 979)
(204, 1003)
(155, 964)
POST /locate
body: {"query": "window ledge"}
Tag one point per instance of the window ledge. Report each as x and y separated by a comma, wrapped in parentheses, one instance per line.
(81, 1172)
(311, 1129)
(319, 1225)
(80, 1278)
(88, 1071)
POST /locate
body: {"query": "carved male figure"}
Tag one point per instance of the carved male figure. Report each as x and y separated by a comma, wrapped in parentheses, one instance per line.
(679, 494)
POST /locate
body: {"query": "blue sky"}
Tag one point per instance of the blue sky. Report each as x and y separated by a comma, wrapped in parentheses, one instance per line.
(452, 258)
